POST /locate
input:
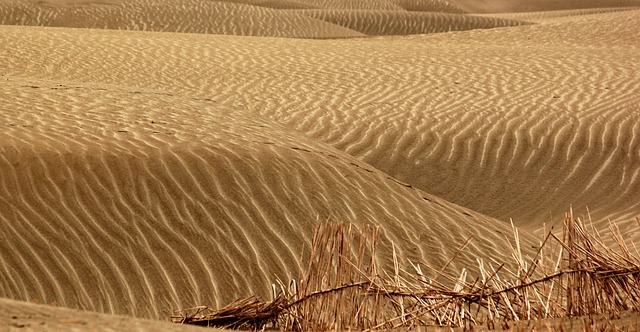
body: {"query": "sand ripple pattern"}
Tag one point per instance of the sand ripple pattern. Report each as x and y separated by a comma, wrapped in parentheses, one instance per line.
(318, 18)
(572, 15)
(192, 16)
(506, 6)
(383, 23)
(515, 123)
(399, 5)
(139, 202)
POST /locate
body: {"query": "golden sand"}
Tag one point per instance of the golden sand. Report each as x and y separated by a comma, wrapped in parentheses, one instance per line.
(157, 155)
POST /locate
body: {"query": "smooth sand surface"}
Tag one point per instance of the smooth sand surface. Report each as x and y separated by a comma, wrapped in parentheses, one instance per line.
(147, 171)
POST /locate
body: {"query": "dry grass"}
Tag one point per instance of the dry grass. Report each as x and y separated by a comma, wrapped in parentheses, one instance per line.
(573, 274)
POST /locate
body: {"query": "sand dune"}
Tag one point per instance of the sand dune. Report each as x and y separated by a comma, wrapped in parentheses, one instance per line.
(278, 4)
(192, 16)
(354, 4)
(379, 23)
(515, 123)
(443, 6)
(504, 6)
(558, 15)
(338, 19)
(142, 172)
(138, 202)
(385, 5)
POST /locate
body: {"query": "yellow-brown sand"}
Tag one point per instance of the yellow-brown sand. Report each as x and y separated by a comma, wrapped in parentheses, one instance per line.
(24, 316)
(302, 19)
(518, 122)
(143, 172)
(192, 16)
(139, 202)
(506, 6)
(555, 16)
(384, 23)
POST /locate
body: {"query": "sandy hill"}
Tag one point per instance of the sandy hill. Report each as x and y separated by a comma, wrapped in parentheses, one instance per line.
(139, 202)
(519, 122)
(145, 171)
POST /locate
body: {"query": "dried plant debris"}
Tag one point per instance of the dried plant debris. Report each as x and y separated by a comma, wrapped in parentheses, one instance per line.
(573, 274)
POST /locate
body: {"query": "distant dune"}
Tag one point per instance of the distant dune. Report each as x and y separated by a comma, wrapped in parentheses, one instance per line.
(187, 158)
(322, 18)
(383, 23)
(504, 6)
(571, 15)
(192, 16)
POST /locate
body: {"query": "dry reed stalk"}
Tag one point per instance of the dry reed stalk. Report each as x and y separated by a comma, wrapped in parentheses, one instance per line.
(575, 275)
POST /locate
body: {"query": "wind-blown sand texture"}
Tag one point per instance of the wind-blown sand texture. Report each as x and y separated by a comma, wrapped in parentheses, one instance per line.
(336, 19)
(503, 6)
(378, 23)
(147, 171)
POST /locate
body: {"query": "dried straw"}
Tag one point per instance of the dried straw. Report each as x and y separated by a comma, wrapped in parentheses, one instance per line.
(575, 274)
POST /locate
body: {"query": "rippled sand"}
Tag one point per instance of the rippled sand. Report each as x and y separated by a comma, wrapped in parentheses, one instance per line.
(146, 171)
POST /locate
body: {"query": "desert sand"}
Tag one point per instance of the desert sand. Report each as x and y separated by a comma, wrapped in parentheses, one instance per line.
(162, 154)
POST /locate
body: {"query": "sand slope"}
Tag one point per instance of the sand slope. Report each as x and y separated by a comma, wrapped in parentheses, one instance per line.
(443, 6)
(191, 16)
(139, 202)
(379, 23)
(571, 15)
(324, 19)
(23, 316)
(504, 6)
(518, 122)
